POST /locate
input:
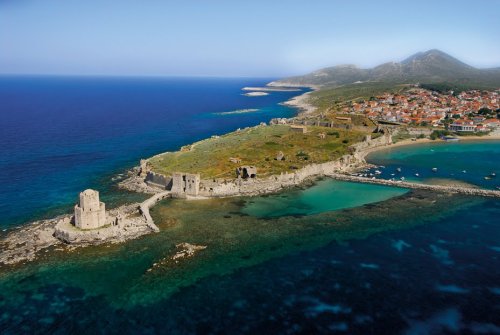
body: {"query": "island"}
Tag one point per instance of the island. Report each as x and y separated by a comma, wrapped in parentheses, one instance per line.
(256, 94)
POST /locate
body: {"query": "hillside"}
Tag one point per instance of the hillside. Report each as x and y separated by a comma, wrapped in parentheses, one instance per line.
(432, 66)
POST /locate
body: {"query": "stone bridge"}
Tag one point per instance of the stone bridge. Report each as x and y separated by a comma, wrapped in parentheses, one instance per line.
(150, 202)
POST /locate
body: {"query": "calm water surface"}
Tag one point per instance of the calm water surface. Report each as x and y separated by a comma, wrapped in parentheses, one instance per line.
(333, 258)
(61, 135)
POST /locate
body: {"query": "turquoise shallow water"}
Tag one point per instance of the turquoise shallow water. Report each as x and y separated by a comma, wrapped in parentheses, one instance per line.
(326, 195)
(469, 161)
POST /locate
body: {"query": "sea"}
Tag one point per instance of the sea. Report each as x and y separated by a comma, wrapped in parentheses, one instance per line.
(326, 257)
(61, 135)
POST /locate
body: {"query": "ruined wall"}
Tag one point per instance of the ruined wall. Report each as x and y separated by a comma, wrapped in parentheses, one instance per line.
(214, 188)
(192, 184)
(185, 183)
(419, 131)
(158, 179)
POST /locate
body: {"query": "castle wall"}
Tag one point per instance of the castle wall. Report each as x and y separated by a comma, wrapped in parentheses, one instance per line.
(249, 186)
(158, 179)
(185, 183)
(192, 184)
(177, 183)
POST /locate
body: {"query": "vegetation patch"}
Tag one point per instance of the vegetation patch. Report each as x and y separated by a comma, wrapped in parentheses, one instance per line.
(258, 146)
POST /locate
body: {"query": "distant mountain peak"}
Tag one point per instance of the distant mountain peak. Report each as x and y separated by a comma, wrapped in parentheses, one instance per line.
(431, 66)
(434, 56)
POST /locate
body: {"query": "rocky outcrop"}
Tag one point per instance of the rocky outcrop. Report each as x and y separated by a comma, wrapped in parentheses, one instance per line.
(124, 223)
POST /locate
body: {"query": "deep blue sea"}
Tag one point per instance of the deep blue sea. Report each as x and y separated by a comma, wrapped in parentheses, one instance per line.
(61, 135)
(330, 258)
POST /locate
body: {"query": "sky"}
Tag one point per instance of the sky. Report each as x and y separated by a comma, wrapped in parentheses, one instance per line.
(235, 38)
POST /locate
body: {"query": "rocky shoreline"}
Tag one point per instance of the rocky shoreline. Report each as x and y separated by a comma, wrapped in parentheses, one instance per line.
(27, 242)
(301, 102)
(23, 244)
(211, 188)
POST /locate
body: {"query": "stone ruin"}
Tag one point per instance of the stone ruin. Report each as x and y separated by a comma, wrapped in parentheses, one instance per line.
(145, 167)
(235, 160)
(158, 180)
(298, 129)
(185, 183)
(280, 156)
(246, 172)
(90, 213)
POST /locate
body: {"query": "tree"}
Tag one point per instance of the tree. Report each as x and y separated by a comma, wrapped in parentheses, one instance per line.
(484, 111)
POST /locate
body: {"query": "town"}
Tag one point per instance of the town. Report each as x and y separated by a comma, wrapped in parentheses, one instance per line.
(469, 111)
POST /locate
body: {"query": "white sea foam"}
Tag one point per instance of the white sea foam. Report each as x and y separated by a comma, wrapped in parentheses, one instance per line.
(238, 111)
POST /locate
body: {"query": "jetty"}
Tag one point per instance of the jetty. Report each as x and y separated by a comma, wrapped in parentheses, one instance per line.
(405, 184)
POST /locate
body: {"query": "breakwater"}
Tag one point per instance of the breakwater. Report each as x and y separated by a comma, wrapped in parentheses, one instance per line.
(404, 184)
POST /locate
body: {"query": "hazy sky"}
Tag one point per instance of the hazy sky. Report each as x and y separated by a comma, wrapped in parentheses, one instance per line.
(237, 38)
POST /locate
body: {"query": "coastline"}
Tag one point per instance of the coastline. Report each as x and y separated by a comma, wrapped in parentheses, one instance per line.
(301, 102)
(409, 142)
(37, 236)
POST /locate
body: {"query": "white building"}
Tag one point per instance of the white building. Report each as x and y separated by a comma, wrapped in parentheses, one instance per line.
(462, 126)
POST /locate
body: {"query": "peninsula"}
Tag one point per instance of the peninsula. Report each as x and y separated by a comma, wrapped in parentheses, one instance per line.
(337, 126)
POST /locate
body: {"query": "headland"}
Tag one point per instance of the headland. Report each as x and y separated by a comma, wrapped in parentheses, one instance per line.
(252, 161)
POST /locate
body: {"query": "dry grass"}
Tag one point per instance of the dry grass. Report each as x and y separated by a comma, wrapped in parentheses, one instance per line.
(258, 146)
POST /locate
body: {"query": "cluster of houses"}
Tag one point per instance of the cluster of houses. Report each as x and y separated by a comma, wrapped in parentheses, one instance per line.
(462, 112)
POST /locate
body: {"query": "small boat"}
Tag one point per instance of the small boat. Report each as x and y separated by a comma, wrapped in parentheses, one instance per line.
(493, 174)
(398, 169)
(434, 169)
(417, 175)
(393, 174)
(487, 178)
(464, 171)
(378, 172)
(402, 178)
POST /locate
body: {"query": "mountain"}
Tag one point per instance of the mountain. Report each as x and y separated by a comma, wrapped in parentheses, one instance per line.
(433, 66)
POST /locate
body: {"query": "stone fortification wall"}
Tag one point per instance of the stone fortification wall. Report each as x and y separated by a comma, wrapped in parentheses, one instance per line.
(216, 188)
(249, 186)
(158, 180)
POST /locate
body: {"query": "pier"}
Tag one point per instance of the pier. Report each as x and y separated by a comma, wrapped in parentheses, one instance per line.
(404, 184)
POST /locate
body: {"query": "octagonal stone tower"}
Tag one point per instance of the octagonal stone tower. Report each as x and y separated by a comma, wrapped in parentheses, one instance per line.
(90, 213)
